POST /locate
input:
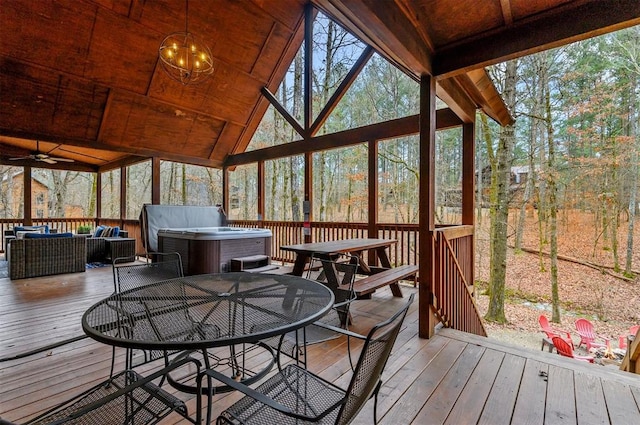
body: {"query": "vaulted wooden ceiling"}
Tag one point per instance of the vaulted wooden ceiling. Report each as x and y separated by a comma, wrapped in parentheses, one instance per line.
(83, 76)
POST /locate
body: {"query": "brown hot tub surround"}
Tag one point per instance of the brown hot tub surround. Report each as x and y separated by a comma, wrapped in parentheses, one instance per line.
(200, 235)
(210, 249)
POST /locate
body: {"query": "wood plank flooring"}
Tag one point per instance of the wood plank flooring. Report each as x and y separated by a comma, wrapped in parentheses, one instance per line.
(454, 378)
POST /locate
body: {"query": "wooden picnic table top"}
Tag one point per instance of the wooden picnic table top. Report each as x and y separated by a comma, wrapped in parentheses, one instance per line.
(304, 251)
(344, 245)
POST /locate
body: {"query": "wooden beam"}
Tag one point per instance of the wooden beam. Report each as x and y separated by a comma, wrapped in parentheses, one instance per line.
(380, 131)
(71, 166)
(452, 94)
(446, 118)
(96, 144)
(122, 162)
(385, 26)
(285, 114)
(341, 90)
(507, 15)
(395, 128)
(482, 92)
(285, 59)
(426, 224)
(545, 31)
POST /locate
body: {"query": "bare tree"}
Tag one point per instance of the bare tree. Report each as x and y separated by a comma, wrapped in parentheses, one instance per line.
(500, 177)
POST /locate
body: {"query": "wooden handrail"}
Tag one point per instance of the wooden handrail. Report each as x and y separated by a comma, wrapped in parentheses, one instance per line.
(630, 362)
(452, 287)
(453, 262)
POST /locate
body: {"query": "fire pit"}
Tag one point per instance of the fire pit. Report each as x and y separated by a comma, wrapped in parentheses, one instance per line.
(608, 356)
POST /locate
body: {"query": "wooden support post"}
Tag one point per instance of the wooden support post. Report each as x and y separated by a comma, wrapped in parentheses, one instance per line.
(155, 180)
(261, 185)
(469, 189)
(373, 197)
(98, 196)
(26, 187)
(308, 194)
(123, 194)
(426, 318)
(225, 189)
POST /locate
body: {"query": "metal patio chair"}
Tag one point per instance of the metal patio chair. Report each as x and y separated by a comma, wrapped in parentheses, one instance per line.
(337, 272)
(296, 396)
(126, 398)
(130, 275)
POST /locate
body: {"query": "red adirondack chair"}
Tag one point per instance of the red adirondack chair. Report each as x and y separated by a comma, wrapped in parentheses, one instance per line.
(551, 332)
(564, 349)
(622, 339)
(588, 336)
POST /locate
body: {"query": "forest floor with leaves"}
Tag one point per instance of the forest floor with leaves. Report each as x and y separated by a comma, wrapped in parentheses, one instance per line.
(609, 301)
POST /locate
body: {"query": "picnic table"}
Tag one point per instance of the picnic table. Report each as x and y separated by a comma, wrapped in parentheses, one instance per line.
(377, 277)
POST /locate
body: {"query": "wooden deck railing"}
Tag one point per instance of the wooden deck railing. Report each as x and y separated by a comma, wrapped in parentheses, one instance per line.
(291, 232)
(453, 261)
(453, 286)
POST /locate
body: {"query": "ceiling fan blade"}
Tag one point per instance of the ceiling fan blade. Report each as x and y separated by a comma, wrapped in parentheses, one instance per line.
(19, 158)
(62, 159)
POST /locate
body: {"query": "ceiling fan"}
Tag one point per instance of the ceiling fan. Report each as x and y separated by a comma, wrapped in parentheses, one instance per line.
(42, 157)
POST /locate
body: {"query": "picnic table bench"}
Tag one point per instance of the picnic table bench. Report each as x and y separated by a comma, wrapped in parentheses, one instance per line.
(377, 277)
(391, 277)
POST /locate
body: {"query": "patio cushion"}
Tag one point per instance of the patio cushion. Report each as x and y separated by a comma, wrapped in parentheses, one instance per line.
(43, 229)
(98, 231)
(36, 235)
(20, 234)
(107, 232)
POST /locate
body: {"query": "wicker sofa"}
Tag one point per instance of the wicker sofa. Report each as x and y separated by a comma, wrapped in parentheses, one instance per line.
(41, 257)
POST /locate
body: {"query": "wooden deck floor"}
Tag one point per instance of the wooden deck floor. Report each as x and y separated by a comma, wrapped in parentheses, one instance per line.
(454, 378)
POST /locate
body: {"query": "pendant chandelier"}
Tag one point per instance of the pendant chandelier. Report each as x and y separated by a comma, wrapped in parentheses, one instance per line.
(184, 57)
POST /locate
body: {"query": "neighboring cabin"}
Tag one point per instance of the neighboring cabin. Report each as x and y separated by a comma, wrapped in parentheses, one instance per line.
(11, 195)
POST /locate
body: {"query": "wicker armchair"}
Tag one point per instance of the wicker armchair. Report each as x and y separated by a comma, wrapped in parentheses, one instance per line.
(99, 251)
(41, 257)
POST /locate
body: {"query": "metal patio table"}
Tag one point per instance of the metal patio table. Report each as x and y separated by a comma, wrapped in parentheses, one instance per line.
(201, 312)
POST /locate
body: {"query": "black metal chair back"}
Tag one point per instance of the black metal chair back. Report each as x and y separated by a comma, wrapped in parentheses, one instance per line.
(338, 273)
(367, 376)
(159, 266)
(130, 275)
(296, 395)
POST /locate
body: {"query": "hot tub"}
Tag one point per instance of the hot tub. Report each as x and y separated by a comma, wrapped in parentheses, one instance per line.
(210, 249)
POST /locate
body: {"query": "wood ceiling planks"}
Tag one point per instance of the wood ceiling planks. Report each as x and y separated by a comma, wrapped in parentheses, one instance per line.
(85, 72)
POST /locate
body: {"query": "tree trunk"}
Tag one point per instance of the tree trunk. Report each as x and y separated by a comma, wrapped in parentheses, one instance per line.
(633, 133)
(552, 191)
(295, 161)
(504, 156)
